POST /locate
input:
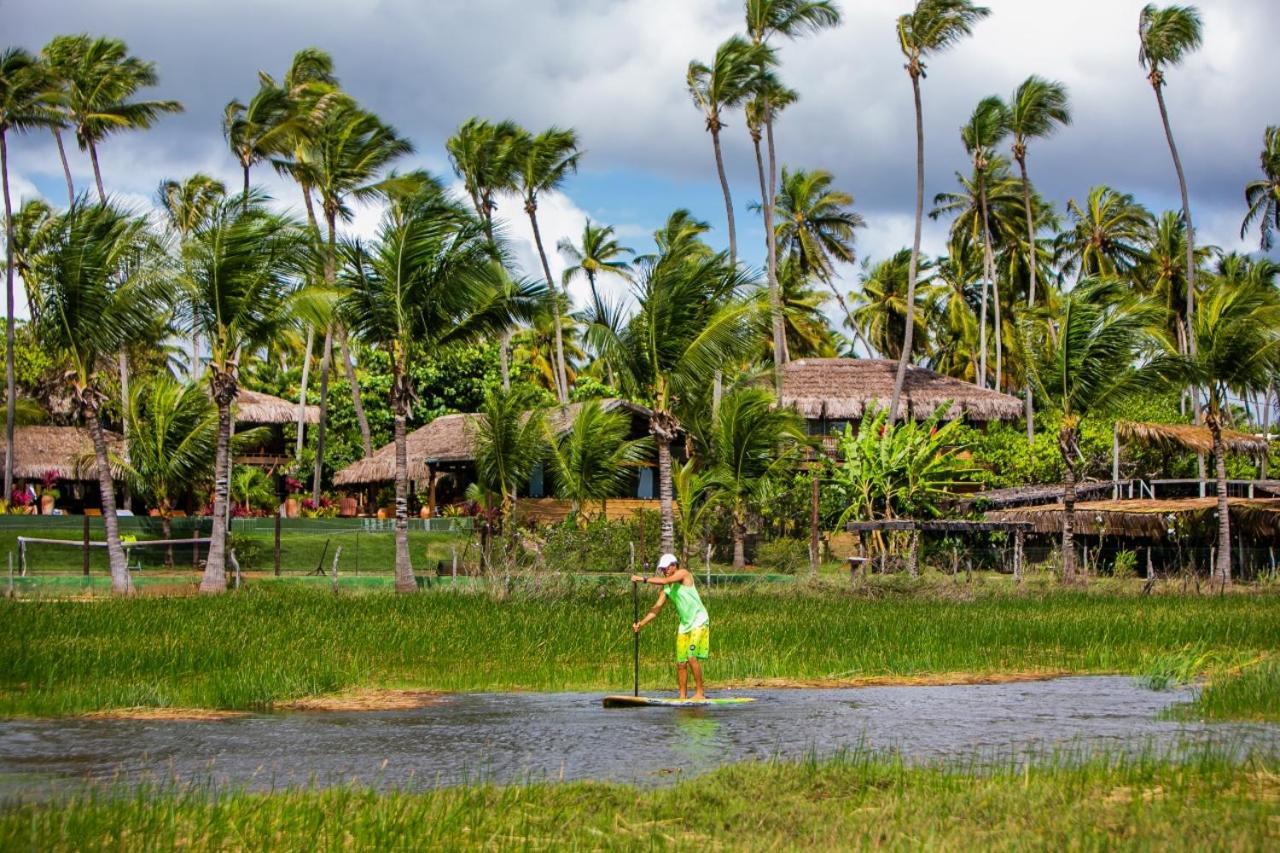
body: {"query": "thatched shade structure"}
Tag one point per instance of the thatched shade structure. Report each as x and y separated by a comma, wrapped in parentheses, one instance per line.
(845, 389)
(1195, 439)
(67, 451)
(254, 407)
(1151, 519)
(1020, 496)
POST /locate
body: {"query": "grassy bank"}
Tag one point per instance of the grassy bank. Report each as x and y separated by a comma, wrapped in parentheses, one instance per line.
(854, 802)
(267, 645)
(1251, 693)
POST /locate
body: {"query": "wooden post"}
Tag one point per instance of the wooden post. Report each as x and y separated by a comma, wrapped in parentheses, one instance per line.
(85, 544)
(337, 552)
(454, 549)
(1151, 572)
(913, 553)
(1115, 461)
(431, 495)
(276, 553)
(814, 556)
(1019, 537)
(235, 564)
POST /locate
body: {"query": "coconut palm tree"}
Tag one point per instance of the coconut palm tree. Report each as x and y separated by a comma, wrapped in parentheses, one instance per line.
(1038, 108)
(809, 335)
(1165, 37)
(426, 283)
(510, 442)
(34, 226)
(23, 106)
(543, 163)
(172, 444)
(881, 309)
(240, 282)
(691, 319)
(955, 333)
(752, 441)
(98, 291)
(1089, 367)
(597, 253)
(1234, 351)
(535, 344)
(726, 83)
(932, 27)
(186, 205)
(1107, 236)
(1162, 272)
(594, 460)
(310, 87)
(260, 129)
(101, 80)
(986, 128)
(1263, 196)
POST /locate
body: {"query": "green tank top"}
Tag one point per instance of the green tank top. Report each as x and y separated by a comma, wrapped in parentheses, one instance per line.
(693, 614)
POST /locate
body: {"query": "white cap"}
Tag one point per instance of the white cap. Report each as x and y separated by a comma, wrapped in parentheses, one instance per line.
(666, 560)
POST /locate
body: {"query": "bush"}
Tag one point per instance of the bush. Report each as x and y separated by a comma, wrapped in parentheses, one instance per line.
(602, 545)
(786, 556)
(1125, 565)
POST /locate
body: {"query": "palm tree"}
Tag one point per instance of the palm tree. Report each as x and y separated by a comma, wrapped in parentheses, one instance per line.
(1038, 108)
(95, 296)
(752, 442)
(34, 226)
(22, 107)
(1087, 367)
(1263, 197)
(260, 129)
(1107, 235)
(691, 319)
(544, 162)
(1234, 350)
(239, 278)
(956, 336)
(597, 253)
(172, 444)
(809, 335)
(426, 284)
(986, 128)
(535, 344)
(725, 84)
(1165, 37)
(594, 460)
(1162, 273)
(882, 311)
(510, 442)
(932, 27)
(186, 205)
(101, 79)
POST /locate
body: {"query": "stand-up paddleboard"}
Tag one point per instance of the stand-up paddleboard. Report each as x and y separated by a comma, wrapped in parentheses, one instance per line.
(658, 701)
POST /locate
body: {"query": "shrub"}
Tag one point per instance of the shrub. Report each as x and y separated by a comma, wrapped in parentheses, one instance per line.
(785, 555)
(602, 545)
(1125, 565)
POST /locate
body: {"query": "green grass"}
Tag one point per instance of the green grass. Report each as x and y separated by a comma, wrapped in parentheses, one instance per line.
(1250, 693)
(854, 802)
(272, 643)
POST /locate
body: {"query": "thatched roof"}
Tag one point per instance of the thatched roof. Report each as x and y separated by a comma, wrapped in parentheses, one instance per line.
(1196, 439)
(68, 451)
(846, 388)
(1030, 496)
(1151, 519)
(449, 439)
(254, 407)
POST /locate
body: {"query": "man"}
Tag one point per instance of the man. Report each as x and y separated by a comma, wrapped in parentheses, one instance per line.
(693, 638)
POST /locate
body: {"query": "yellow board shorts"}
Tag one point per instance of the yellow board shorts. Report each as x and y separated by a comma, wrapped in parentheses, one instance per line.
(695, 643)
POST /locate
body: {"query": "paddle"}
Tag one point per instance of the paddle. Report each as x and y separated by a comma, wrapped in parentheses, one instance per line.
(635, 635)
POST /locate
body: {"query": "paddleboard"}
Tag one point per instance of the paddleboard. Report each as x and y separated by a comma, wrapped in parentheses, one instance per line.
(644, 701)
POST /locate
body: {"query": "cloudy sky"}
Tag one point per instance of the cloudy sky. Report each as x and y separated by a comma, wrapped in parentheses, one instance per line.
(614, 70)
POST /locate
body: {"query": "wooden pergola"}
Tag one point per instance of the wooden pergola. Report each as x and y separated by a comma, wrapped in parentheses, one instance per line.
(1019, 530)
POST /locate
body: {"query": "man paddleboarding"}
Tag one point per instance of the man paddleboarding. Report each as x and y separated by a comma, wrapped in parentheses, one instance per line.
(693, 637)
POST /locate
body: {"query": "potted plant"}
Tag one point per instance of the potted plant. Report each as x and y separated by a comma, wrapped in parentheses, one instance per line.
(49, 492)
(292, 508)
(22, 501)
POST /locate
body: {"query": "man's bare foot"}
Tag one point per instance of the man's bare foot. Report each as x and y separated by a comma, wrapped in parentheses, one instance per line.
(698, 697)
(683, 698)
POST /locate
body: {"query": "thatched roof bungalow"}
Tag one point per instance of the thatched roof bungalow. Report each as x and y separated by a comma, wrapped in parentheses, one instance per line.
(65, 450)
(255, 407)
(1185, 437)
(830, 392)
(1152, 519)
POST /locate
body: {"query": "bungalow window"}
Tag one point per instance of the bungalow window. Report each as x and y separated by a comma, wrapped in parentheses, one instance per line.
(537, 488)
(644, 484)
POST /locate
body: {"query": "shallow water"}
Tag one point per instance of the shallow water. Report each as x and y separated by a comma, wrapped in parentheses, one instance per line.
(516, 737)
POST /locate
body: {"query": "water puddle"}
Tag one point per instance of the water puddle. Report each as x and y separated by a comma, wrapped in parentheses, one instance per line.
(517, 737)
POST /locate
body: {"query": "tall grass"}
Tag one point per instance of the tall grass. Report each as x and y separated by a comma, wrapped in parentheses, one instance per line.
(269, 644)
(1249, 693)
(856, 802)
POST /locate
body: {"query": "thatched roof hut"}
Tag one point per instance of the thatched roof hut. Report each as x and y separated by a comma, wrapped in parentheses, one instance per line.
(255, 407)
(1196, 439)
(449, 440)
(1152, 519)
(847, 388)
(1020, 496)
(67, 451)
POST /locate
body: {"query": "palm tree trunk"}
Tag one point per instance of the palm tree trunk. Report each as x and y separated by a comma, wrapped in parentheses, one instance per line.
(123, 359)
(97, 172)
(121, 582)
(10, 386)
(326, 364)
(1031, 291)
(66, 167)
(1222, 570)
(246, 184)
(562, 379)
(215, 565)
(404, 565)
(366, 437)
(1068, 510)
(302, 392)
(504, 359)
(988, 273)
(665, 498)
(739, 544)
(1186, 215)
(724, 186)
(775, 297)
(914, 267)
(166, 529)
(310, 208)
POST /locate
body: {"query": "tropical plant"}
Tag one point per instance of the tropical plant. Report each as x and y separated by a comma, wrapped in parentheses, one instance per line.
(98, 290)
(1089, 366)
(597, 253)
(251, 489)
(751, 442)
(593, 460)
(428, 282)
(259, 129)
(1107, 235)
(881, 310)
(693, 505)
(239, 284)
(535, 344)
(932, 27)
(808, 333)
(510, 441)
(1234, 351)
(1263, 196)
(1162, 272)
(1165, 37)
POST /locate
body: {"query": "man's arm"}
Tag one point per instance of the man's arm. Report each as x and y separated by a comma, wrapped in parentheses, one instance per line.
(652, 614)
(677, 576)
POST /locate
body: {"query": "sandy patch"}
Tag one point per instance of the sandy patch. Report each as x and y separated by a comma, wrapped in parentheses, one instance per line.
(937, 679)
(192, 714)
(365, 700)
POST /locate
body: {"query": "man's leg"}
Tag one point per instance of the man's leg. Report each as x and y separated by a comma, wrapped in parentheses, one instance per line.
(697, 679)
(682, 679)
